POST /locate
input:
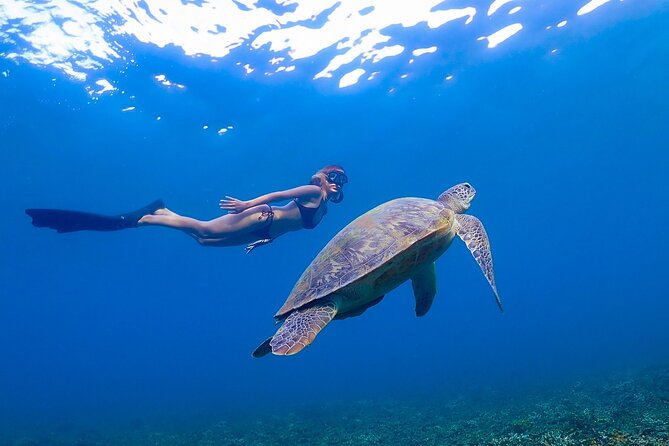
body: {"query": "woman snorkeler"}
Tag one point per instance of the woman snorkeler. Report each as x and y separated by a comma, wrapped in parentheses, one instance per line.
(252, 222)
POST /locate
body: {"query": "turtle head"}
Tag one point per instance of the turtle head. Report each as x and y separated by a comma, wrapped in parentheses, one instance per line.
(458, 197)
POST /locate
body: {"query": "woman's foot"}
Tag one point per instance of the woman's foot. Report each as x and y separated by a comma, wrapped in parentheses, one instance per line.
(164, 211)
(133, 219)
(144, 220)
(154, 217)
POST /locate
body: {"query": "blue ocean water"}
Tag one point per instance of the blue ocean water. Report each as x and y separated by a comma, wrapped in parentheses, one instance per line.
(567, 150)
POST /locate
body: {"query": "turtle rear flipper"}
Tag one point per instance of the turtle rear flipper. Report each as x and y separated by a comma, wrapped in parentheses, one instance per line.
(299, 329)
(472, 232)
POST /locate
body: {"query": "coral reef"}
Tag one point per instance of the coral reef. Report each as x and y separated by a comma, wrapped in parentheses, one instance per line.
(623, 410)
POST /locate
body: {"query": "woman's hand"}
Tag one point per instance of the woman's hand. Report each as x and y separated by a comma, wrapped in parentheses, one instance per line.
(233, 205)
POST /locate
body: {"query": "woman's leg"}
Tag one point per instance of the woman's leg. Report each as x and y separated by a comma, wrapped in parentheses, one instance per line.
(226, 226)
(172, 220)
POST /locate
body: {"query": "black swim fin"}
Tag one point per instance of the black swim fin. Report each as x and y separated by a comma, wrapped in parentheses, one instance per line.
(70, 221)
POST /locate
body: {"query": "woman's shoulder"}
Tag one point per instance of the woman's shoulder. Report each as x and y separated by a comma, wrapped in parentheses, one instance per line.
(309, 190)
(310, 196)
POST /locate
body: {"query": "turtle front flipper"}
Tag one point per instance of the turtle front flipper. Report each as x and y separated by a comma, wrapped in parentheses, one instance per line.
(472, 232)
(424, 284)
(299, 329)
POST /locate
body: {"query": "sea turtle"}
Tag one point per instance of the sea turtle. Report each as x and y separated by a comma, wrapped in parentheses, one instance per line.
(390, 244)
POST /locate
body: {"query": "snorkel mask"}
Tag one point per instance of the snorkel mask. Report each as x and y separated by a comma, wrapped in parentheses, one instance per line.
(339, 178)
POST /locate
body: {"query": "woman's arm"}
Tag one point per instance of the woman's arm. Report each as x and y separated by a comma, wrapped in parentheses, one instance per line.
(304, 192)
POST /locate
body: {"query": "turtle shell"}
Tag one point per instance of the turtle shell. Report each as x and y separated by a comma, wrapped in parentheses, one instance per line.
(365, 245)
